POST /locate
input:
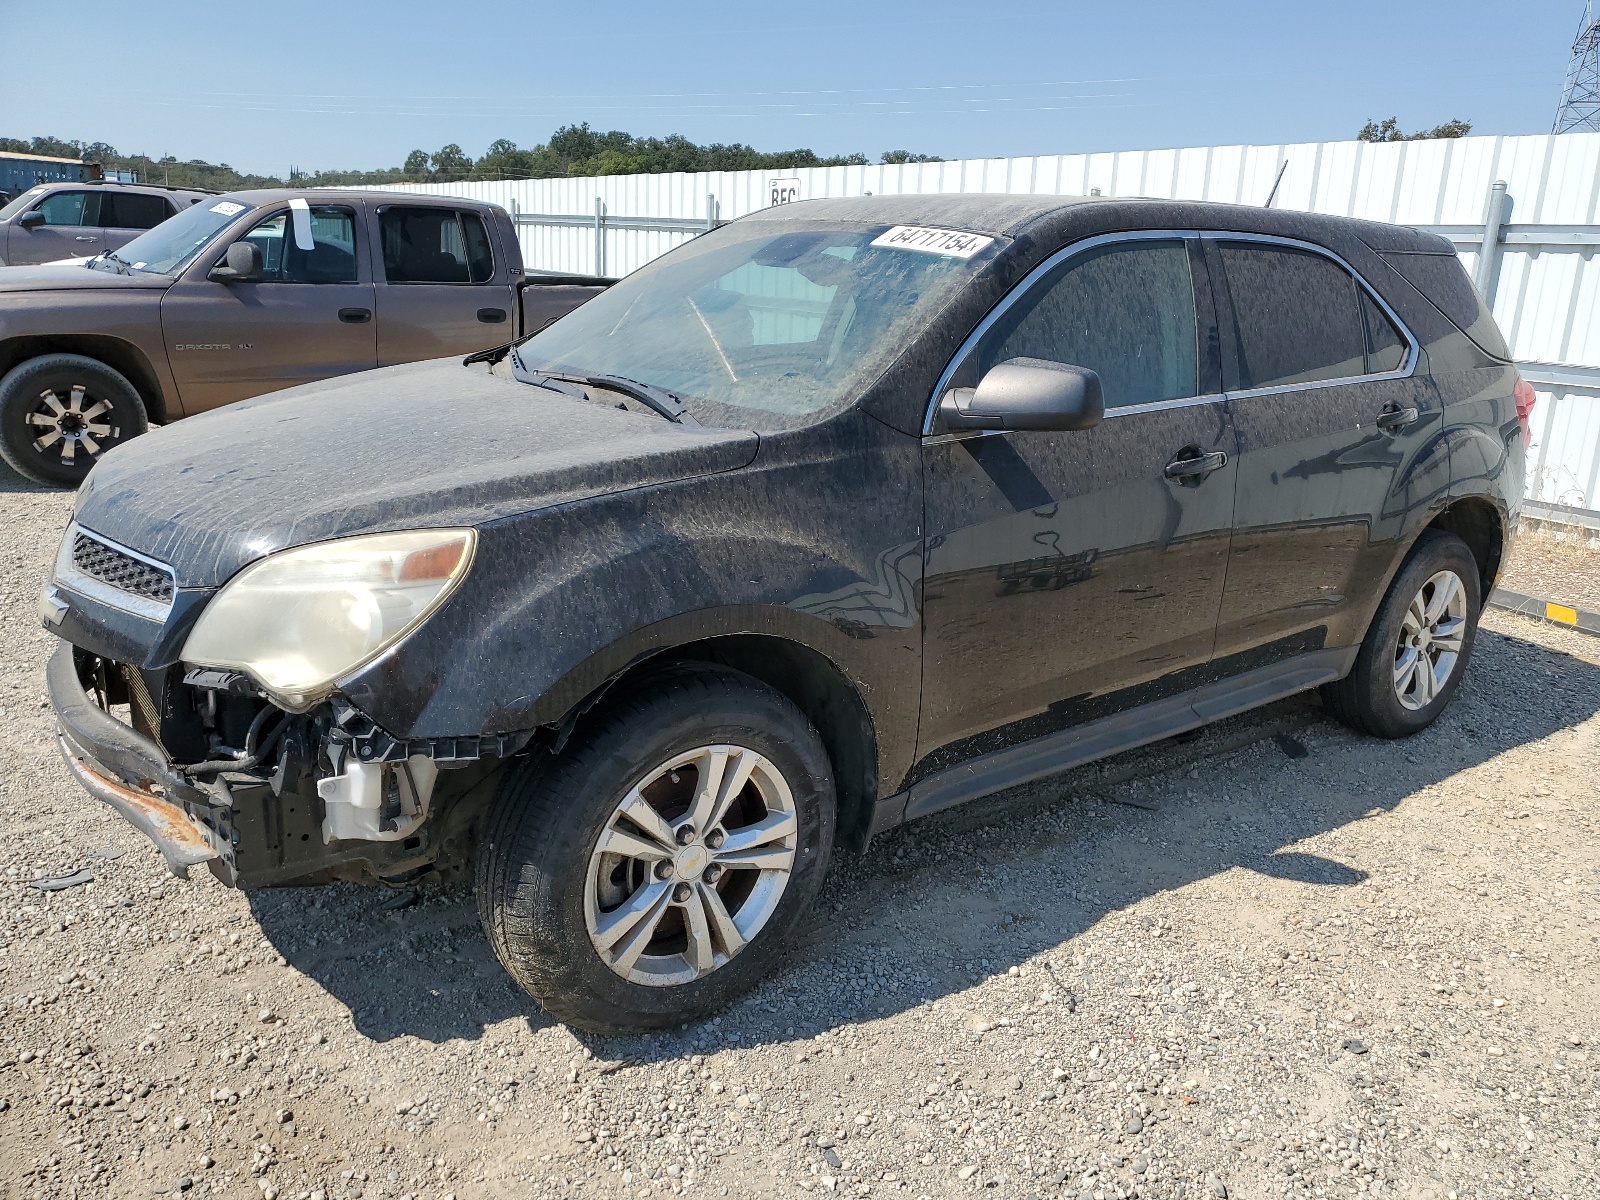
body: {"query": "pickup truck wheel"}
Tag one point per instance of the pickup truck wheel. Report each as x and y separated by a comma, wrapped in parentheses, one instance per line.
(1418, 644)
(654, 872)
(60, 412)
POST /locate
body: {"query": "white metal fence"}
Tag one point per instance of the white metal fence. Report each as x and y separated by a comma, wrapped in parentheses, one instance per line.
(1542, 279)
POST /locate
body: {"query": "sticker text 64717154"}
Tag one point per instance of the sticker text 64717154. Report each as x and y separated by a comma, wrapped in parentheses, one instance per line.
(952, 243)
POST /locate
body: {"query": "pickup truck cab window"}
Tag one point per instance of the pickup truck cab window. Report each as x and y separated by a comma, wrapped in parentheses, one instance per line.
(434, 245)
(332, 258)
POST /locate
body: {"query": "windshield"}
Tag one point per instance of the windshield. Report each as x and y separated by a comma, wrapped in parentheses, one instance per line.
(21, 202)
(762, 323)
(167, 249)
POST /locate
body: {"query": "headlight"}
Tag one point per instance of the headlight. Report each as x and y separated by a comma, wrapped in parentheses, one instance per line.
(297, 621)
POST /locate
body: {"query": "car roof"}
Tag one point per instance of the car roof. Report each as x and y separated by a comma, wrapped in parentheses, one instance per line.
(332, 195)
(1061, 218)
(150, 189)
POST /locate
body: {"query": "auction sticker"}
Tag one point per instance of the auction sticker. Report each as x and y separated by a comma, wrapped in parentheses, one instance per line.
(952, 243)
(227, 208)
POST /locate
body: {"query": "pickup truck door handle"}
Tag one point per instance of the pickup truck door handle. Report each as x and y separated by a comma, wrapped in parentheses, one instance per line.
(1394, 418)
(83, 237)
(491, 316)
(355, 316)
(1190, 465)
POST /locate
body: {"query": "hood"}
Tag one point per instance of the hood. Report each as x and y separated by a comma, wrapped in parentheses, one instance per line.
(428, 444)
(71, 275)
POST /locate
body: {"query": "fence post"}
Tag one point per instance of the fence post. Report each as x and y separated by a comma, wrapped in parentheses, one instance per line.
(599, 237)
(1489, 251)
(711, 212)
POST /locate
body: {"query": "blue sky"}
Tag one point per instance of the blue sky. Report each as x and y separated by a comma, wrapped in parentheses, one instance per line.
(360, 83)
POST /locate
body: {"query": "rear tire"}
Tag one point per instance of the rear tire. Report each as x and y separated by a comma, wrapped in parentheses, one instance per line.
(575, 846)
(1418, 644)
(60, 413)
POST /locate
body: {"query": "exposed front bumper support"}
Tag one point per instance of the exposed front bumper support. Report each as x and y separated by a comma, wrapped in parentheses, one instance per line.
(167, 825)
(116, 764)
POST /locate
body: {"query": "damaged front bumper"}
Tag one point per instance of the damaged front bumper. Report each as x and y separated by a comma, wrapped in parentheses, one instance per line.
(341, 798)
(118, 765)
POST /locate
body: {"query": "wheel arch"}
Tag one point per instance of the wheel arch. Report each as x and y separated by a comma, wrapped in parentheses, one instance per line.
(1479, 523)
(117, 353)
(810, 679)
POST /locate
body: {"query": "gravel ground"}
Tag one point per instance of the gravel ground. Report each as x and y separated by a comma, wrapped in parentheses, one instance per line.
(1550, 568)
(1275, 959)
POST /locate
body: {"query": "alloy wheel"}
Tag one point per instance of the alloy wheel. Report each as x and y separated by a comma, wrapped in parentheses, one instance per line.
(66, 426)
(691, 865)
(1431, 635)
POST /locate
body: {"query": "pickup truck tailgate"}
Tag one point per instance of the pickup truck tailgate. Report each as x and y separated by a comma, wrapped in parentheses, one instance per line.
(544, 301)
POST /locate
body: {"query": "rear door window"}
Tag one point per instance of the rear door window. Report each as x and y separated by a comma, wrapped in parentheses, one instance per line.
(1298, 316)
(1386, 345)
(434, 245)
(1125, 311)
(132, 210)
(330, 259)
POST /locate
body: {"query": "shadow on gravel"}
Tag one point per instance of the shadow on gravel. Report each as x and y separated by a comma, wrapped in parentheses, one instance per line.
(935, 907)
(11, 482)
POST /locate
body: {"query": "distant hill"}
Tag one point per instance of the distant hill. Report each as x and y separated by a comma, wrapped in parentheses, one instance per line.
(571, 150)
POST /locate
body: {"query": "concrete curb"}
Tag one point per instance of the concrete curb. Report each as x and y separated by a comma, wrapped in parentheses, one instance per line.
(1546, 610)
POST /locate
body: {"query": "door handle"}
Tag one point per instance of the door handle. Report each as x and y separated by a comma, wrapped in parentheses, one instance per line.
(355, 316)
(491, 316)
(1394, 418)
(1191, 465)
(85, 238)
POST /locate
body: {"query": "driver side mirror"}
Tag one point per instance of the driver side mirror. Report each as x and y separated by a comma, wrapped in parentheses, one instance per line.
(31, 220)
(242, 263)
(1027, 394)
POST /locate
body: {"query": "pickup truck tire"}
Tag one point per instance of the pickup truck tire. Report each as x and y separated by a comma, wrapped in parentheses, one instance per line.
(1418, 644)
(60, 412)
(620, 833)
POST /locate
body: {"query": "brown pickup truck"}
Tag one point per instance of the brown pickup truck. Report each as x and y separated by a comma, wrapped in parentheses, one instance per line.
(248, 293)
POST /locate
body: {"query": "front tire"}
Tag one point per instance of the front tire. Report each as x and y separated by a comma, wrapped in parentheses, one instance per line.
(1418, 644)
(658, 868)
(59, 413)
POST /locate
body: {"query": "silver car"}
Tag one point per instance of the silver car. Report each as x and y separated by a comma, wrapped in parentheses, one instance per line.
(76, 220)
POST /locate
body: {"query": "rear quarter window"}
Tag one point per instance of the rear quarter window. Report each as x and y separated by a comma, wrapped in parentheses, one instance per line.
(1443, 280)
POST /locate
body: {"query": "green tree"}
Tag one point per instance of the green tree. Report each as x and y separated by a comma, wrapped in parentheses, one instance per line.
(450, 164)
(1388, 130)
(905, 156)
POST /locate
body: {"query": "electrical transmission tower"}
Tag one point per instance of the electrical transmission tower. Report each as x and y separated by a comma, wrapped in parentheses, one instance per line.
(1580, 96)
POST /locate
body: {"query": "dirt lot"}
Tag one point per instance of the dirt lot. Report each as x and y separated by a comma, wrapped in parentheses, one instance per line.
(1274, 960)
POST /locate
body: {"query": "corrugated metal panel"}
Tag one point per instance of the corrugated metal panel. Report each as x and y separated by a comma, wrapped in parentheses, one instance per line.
(1546, 298)
(1564, 457)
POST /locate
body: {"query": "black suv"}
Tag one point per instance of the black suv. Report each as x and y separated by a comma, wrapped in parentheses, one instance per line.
(843, 514)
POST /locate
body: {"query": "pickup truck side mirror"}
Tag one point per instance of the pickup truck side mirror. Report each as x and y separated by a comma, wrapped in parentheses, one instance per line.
(1027, 394)
(242, 263)
(31, 220)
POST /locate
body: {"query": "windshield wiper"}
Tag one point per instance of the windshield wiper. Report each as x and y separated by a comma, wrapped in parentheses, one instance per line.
(657, 399)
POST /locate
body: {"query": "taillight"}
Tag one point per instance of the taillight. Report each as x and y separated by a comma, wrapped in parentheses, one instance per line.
(1524, 396)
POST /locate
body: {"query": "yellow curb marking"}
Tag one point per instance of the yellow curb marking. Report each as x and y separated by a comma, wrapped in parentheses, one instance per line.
(1560, 612)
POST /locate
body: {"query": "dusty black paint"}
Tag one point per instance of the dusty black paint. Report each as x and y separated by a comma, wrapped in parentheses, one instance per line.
(609, 537)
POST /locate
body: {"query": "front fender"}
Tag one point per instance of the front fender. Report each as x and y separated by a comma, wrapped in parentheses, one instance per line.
(559, 601)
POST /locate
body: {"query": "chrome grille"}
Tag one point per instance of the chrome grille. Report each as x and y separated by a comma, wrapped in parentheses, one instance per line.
(119, 570)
